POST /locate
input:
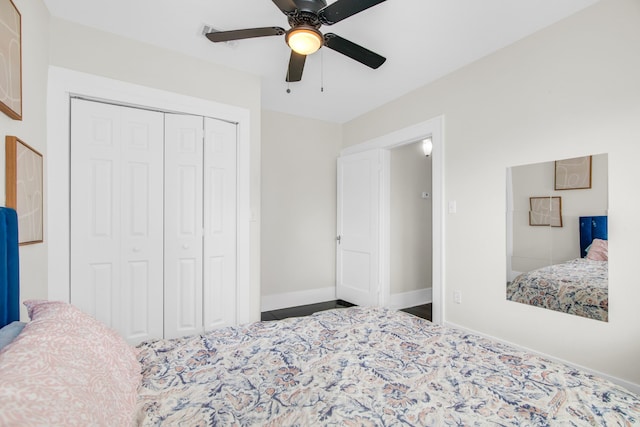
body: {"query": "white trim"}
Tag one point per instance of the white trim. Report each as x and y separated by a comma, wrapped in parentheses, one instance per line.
(63, 84)
(410, 299)
(434, 128)
(294, 299)
(626, 384)
(384, 297)
(509, 218)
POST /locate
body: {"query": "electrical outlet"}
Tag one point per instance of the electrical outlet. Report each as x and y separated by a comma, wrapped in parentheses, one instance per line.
(457, 297)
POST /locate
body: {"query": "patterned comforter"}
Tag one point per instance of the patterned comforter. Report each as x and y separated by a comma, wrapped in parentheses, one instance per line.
(365, 367)
(579, 287)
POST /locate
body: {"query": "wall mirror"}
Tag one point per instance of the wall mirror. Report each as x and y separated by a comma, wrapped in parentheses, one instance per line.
(557, 235)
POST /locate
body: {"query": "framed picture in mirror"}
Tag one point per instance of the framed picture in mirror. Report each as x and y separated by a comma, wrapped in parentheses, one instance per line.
(573, 174)
(545, 211)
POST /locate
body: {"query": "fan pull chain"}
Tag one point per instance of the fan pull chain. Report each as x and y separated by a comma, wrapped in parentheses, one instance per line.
(321, 71)
(288, 88)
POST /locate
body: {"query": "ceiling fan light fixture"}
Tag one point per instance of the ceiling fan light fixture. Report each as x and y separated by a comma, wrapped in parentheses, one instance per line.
(304, 40)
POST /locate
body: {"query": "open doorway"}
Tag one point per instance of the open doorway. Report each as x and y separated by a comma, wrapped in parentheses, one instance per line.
(410, 237)
(374, 180)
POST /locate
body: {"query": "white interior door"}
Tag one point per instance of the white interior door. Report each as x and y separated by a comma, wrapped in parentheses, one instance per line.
(116, 232)
(220, 183)
(358, 251)
(183, 225)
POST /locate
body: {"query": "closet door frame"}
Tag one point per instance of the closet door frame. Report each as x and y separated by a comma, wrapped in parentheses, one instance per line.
(62, 86)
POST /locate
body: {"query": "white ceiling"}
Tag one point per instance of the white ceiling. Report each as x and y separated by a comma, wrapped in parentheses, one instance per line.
(421, 39)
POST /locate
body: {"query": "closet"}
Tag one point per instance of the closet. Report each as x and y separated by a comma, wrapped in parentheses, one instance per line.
(153, 219)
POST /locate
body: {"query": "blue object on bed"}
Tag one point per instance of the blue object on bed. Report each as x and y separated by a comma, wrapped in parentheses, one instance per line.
(10, 332)
(592, 227)
(9, 267)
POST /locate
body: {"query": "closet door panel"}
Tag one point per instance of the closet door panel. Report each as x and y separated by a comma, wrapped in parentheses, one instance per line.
(183, 225)
(139, 289)
(142, 224)
(101, 197)
(95, 209)
(188, 291)
(116, 232)
(97, 294)
(220, 183)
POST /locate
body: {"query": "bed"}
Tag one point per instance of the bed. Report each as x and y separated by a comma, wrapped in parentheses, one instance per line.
(579, 286)
(357, 366)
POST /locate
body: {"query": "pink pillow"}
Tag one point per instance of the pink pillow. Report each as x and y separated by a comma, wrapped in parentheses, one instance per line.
(67, 369)
(599, 250)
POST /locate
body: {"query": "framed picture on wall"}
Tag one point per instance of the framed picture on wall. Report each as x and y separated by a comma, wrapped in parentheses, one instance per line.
(573, 174)
(10, 60)
(24, 189)
(545, 211)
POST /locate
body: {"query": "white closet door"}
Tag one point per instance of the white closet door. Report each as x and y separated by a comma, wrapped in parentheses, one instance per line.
(183, 225)
(116, 229)
(219, 284)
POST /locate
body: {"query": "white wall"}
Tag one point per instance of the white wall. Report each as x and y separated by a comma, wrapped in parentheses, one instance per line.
(410, 216)
(536, 246)
(567, 91)
(81, 48)
(32, 130)
(298, 210)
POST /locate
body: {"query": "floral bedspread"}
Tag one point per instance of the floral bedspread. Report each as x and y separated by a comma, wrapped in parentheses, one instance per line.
(365, 367)
(578, 286)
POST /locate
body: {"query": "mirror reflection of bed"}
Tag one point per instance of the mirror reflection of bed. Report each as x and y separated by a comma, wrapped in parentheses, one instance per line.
(557, 254)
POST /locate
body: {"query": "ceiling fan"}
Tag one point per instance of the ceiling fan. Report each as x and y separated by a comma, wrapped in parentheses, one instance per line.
(304, 37)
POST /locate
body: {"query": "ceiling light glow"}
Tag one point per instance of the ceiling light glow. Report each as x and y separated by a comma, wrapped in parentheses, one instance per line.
(427, 146)
(304, 40)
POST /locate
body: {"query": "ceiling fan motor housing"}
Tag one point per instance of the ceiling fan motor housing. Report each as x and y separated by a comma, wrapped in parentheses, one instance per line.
(312, 6)
(309, 19)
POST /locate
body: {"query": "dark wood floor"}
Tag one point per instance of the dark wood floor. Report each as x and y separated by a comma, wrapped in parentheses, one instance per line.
(423, 311)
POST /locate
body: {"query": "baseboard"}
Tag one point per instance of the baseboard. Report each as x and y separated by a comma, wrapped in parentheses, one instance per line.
(626, 384)
(293, 299)
(313, 296)
(410, 299)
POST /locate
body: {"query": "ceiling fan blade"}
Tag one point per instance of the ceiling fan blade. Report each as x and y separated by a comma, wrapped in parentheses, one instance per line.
(296, 65)
(342, 9)
(286, 6)
(353, 51)
(225, 36)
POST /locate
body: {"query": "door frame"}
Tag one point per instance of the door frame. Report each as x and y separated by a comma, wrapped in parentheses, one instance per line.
(64, 84)
(408, 135)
